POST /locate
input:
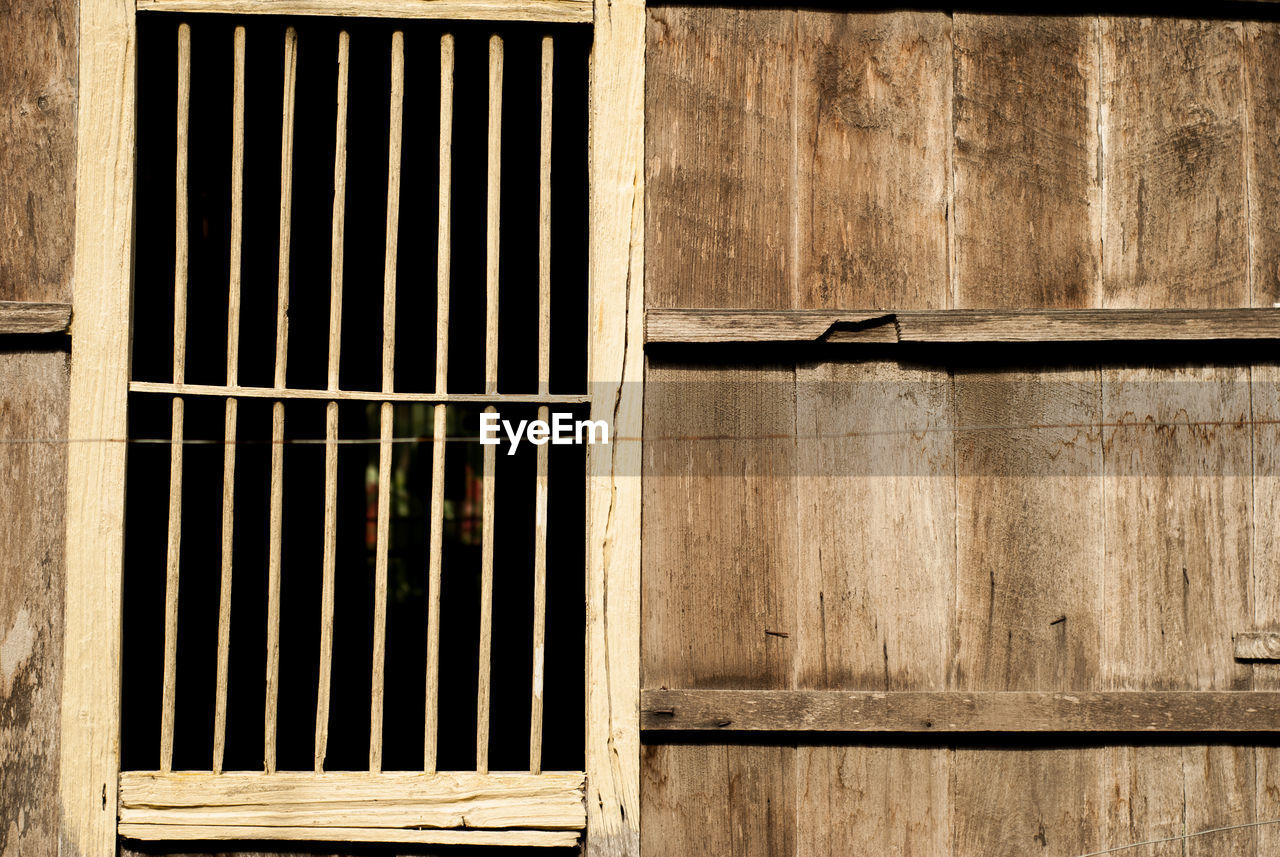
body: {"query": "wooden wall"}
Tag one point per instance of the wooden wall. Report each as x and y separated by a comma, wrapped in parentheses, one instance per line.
(830, 529)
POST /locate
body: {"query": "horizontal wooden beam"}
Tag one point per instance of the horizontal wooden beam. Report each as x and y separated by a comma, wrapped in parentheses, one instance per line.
(734, 326)
(284, 394)
(955, 711)
(33, 317)
(1257, 645)
(516, 838)
(546, 11)
(157, 805)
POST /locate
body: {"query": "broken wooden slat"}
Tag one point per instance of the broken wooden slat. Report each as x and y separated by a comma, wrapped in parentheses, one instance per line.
(1257, 645)
(34, 317)
(690, 326)
(958, 711)
(547, 11)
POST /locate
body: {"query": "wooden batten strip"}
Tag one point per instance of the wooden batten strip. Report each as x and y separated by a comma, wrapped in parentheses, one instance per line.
(283, 394)
(25, 317)
(544, 386)
(229, 430)
(486, 838)
(276, 521)
(546, 11)
(386, 421)
(956, 711)
(1257, 645)
(703, 326)
(181, 260)
(486, 605)
(330, 557)
(440, 412)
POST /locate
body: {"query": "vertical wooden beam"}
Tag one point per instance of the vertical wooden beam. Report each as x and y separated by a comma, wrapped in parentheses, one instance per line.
(90, 729)
(277, 409)
(180, 262)
(615, 366)
(394, 146)
(544, 386)
(443, 237)
(233, 375)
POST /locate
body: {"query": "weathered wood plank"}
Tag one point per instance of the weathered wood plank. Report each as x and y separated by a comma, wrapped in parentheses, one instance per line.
(34, 317)
(718, 165)
(739, 326)
(870, 159)
(545, 11)
(1257, 645)
(512, 837)
(664, 710)
(551, 801)
(282, 394)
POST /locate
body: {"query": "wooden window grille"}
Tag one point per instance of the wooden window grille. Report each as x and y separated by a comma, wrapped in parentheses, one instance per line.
(428, 804)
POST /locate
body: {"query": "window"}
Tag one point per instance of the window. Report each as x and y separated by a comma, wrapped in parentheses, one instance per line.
(361, 412)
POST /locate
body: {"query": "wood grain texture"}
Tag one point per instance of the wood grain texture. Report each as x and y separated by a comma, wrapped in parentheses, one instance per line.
(34, 317)
(545, 11)
(743, 326)
(89, 751)
(870, 159)
(1262, 167)
(1257, 645)
(959, 711)
(615, 375)
(38, 139)
(551, 801)
(1028, 216)
(33, 404)
(1173, 132)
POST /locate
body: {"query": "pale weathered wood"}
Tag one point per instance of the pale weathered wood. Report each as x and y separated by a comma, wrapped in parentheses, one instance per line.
(493, 213)
(615, 374)
(544, 386)
(513, 837)
(551, 801)
(330, 556)
(487, 491)
(546, 11)
(106, 134)
(436, 547)
(959, 711)
(284, 394)
(233, 374)
(276, 521)
(1257, 645)
(174, 539)
(386, 416)
(739, 326)
(34, 317)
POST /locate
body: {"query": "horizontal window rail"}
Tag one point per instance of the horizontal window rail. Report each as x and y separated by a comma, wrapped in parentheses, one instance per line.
(545, 11)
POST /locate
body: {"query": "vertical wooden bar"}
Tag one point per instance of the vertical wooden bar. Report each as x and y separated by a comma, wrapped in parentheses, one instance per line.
(179, 365)
(89, 740)
(394, 141)
(493, 212)
(615, 370)
(544, 387)
(331, 410)
(443, 238)
(277, 409)
(233, 371)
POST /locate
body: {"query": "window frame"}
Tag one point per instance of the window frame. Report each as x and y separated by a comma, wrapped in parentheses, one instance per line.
(100, 369)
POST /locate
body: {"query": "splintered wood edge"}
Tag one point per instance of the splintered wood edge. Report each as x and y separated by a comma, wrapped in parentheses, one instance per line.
(735, 326)
(546, 11)
(25, 317)
(957, 711)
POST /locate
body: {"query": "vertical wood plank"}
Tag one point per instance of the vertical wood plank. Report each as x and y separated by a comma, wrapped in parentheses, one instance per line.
(544, 387)
(443, 258)
(174, 540)
(233, 371)
(719, 164)
(395, 137)
(1262, 127)
(106, 133)
(276, 524)
(493, 215)
(486, 605)
(330, 558)
(1028, 217)
(870, 159)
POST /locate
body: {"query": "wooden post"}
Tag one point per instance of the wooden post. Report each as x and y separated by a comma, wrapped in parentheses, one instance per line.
(616, 364)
